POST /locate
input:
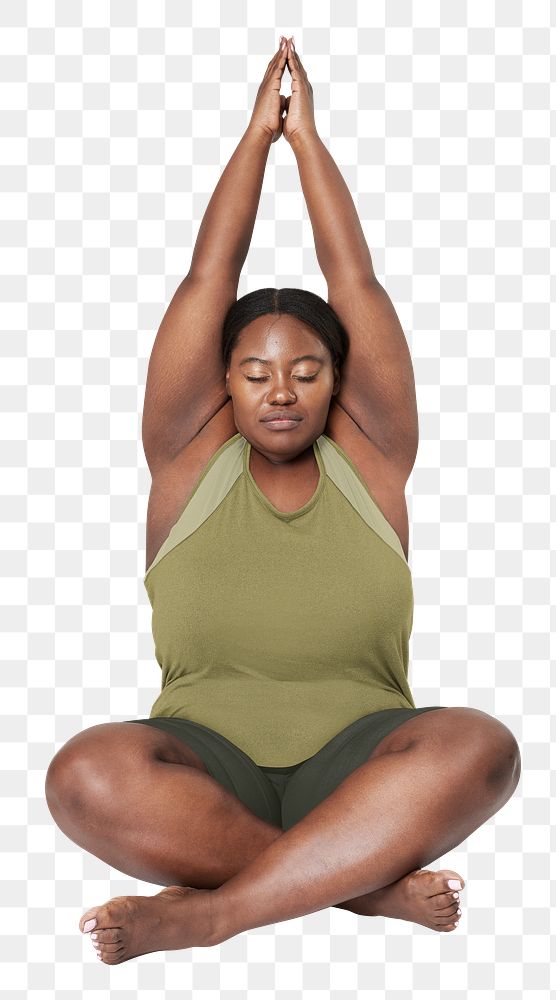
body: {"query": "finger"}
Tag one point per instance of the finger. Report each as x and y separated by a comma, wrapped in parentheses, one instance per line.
(276, 57)
(279, 64)
(290, 54)
(276, 64)
(293, 56)
(278, 60)
(296, 57)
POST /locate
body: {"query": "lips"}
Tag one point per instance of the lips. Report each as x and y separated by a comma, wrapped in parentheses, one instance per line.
(280, 415)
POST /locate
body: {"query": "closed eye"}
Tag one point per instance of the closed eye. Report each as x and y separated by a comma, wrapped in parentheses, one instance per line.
(301, 378)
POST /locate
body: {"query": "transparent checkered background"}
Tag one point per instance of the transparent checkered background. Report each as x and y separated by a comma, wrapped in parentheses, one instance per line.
(116, 121)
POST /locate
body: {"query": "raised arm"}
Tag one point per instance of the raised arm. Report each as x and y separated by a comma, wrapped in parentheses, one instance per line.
(377, 384)
(185, 379)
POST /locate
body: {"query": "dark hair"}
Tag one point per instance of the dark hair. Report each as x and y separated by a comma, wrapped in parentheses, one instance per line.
(307, 306)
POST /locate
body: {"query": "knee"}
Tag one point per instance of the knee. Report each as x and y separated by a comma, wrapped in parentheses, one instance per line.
(72, 774)
(61, 778)
(494, 748)
(505, 768)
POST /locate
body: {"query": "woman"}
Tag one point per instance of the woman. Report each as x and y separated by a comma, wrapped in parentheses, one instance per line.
(284, 767)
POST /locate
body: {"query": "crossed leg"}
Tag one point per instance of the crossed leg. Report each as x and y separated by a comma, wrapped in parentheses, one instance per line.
(456, 767)
(431, 783)
(143, 801)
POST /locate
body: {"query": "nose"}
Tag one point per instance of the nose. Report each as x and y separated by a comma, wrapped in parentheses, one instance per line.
(281, 395)
(281, 390)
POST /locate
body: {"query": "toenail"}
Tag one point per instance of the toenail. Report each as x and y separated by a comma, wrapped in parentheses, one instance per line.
(454, 884)
(455, 895)
(94, 937)
(89, 925)
(459, 912)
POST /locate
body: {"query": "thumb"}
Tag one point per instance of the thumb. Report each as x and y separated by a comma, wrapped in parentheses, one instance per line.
(282, 103)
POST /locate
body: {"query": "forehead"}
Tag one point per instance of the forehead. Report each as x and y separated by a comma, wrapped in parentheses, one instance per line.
(279, 335)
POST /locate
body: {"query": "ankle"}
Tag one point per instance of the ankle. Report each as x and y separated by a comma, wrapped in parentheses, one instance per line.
(219, 913)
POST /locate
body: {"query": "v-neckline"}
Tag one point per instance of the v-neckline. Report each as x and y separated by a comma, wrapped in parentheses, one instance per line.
(286, 515)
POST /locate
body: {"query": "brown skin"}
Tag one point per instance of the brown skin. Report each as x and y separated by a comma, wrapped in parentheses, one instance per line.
(278, 339)
(363, 848)
(424, 788)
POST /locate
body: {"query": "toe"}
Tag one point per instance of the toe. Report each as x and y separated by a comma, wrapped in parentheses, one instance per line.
(444, 900)
(112, 958)
(447, 911)
(110, 949)
(453, 876)
(439, 882)
(108, 935)
(89, 915)
(108, 916)
(445, 923)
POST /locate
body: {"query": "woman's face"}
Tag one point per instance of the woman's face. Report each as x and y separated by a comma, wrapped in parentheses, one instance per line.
(270, 375)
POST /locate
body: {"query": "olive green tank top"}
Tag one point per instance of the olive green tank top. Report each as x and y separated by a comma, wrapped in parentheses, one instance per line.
(277, 629)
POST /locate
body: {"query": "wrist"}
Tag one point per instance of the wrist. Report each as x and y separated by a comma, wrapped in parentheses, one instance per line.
(258, 134)
(304, 137)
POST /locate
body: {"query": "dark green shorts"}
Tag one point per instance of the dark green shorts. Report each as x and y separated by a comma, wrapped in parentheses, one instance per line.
(284, 795)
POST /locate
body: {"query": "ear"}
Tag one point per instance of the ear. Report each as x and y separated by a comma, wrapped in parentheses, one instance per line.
(337, 380)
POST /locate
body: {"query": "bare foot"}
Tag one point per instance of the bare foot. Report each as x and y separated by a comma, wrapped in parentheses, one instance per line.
(128, 926)
(422, 896)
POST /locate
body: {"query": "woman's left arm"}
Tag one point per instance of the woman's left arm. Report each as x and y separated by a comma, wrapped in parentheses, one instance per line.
(377, 386)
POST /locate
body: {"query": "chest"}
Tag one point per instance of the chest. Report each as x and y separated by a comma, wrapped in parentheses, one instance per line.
(291, 598)
(173, 485)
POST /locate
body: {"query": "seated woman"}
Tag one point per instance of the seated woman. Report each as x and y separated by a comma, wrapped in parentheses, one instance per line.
(284, 767)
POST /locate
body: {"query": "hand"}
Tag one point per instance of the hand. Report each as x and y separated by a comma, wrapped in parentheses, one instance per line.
(270, 103)
(300, 112)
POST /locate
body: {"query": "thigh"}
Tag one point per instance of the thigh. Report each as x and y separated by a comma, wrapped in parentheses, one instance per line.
(113, 741)
(318, 776)
(225, 762)
(101, 749)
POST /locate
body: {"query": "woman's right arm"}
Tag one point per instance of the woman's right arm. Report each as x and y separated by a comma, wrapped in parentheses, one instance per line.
(185, 378)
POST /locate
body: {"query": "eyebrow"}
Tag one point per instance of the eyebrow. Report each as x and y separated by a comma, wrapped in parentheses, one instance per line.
(304, 357)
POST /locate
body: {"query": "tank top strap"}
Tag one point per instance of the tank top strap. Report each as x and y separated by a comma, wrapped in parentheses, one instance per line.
(341, 470)
(216, 481)
(227, 465)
